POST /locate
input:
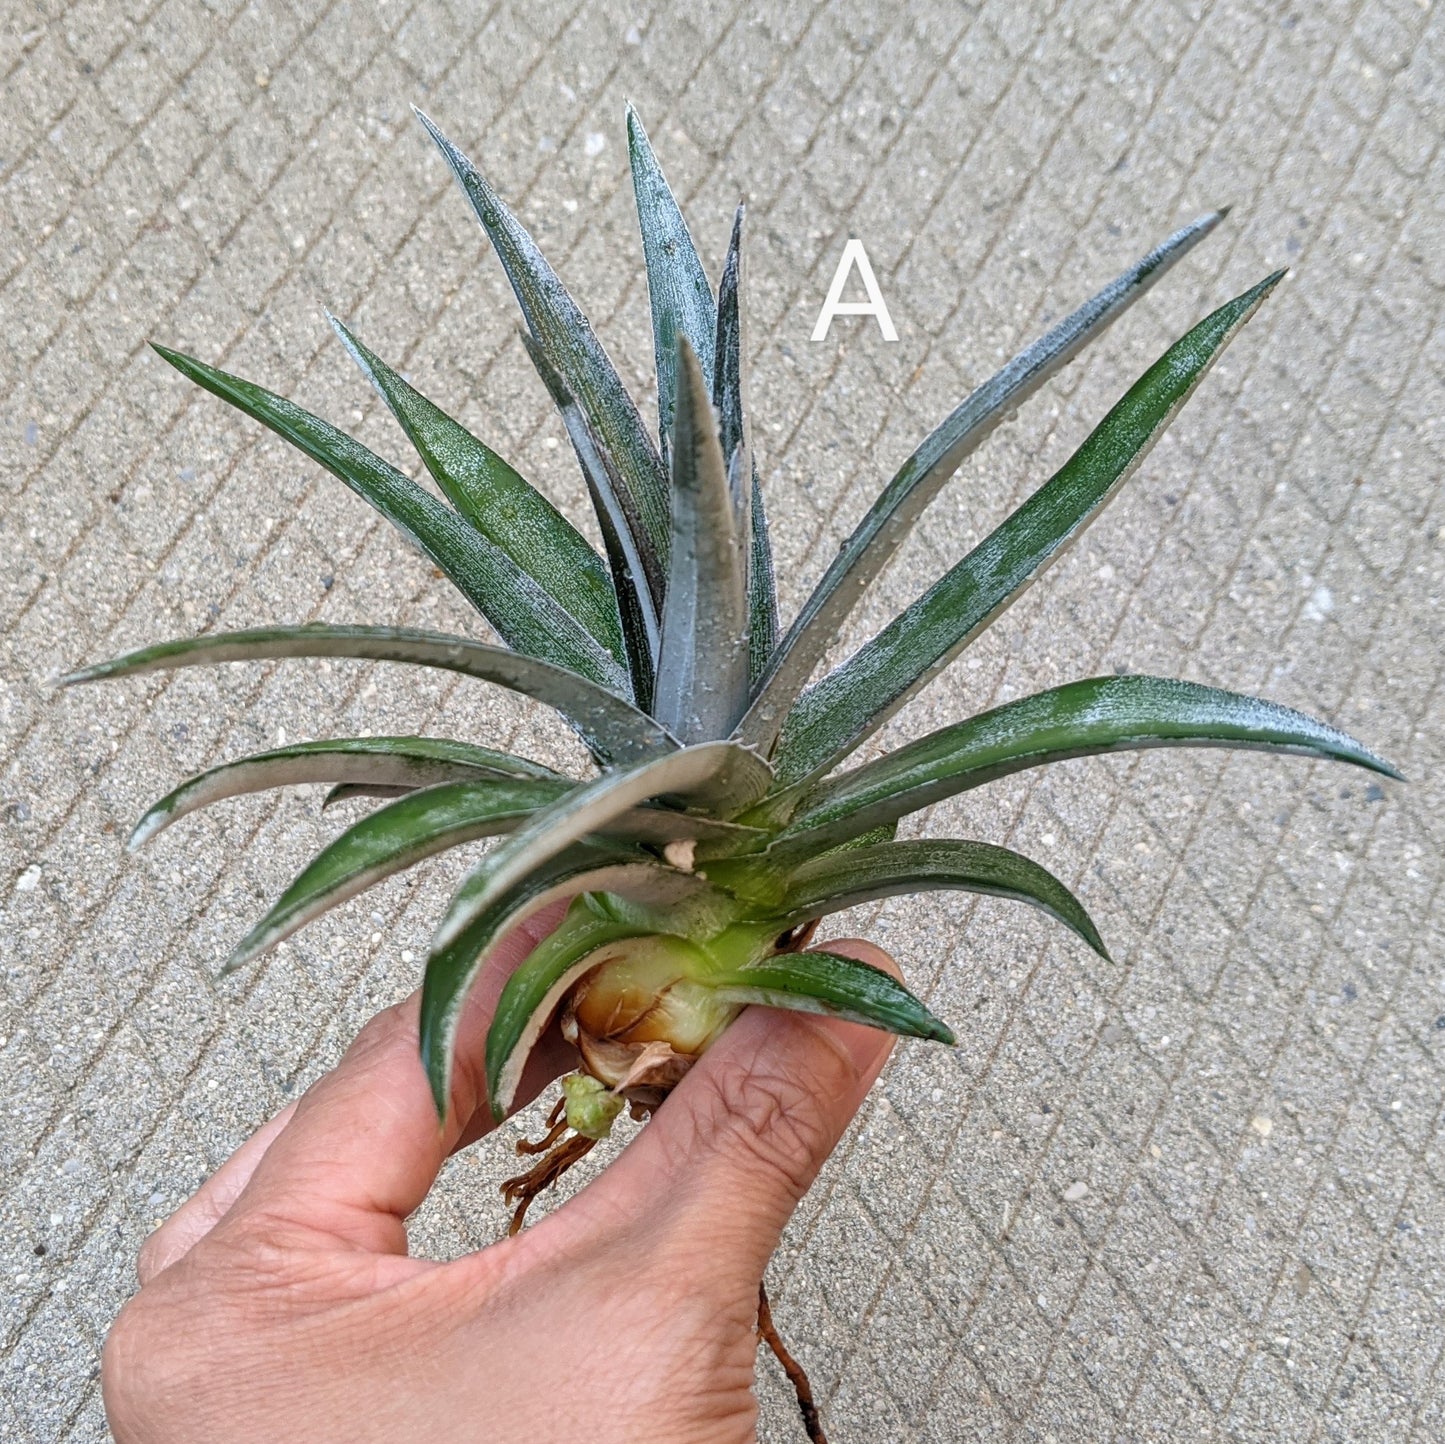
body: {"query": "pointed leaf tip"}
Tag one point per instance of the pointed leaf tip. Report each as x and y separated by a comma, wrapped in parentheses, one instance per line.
(830, 881)
(1094, 715)
(836, 714)
(835, 985)
(874, 541)
(555, 319)
(612, 727)
(681, 297)
(527, 616)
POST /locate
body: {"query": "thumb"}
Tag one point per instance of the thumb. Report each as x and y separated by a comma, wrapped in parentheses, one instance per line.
(728, 1156)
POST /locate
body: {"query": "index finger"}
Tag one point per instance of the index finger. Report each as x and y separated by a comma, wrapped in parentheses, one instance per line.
(364, 1145)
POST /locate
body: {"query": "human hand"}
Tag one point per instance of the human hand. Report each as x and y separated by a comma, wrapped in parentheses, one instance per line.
(280, 1304)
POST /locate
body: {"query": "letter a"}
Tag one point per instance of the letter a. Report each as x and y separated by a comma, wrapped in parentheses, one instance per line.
(875, 305)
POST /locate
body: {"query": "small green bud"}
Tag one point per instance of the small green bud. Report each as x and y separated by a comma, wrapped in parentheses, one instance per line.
(591, 1106)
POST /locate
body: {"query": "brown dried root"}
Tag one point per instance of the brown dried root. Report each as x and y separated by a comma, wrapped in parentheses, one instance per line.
(768, 1333)
(522, 1189)
(556, 1127)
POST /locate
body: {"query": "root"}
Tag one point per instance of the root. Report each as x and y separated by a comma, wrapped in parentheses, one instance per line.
(522, 1189)
(556, 1127)
(768, 1333)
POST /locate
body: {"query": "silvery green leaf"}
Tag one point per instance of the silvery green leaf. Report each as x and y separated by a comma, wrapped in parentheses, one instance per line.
(837, 987)
(846, 878)
(721, 777)
(564, 333)
(363, 764)
(682, 301)
(354, 791)
(878, 536)
(500, 503)
(728, 399)
(1079, 719)
(636, 567)
(391, 839)
(838, 713)
(433, 820)
(610, 725)
(527, 618)
(702, 674)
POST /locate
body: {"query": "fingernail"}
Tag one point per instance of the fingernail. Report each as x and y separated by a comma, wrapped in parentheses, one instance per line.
(865, 1048)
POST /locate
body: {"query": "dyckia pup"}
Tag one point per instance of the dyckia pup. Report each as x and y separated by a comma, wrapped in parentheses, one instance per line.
(724, 818)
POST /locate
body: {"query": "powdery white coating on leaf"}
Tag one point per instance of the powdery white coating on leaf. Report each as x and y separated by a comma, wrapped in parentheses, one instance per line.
(702, 674)
(358, 763)
(612, 727)
(864, 555)
(835, 881)
(557, 323)
(500, 503)
(527, 618)
(392, 839)
(682, 300)
(1099, 714)
(838, 713)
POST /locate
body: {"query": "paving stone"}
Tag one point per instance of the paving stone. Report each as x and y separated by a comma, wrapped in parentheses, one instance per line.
(1068, 1229)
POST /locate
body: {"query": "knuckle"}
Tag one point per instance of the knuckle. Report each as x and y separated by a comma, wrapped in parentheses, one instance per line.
(141, 1370)
(189, 1335)
(777, 1120)
(381, 1032)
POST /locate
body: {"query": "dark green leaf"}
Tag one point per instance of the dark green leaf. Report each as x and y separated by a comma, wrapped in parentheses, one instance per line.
(837, 986)
(501, 504)
(564, 333)
(873, 543)
(610, 725)
(726, 374)
(391, 839)
(718, 776)
(435, 819)
(636, 567)
(728, 399)
(361, 763)
(702, 675)
(682, 303)
(1100, 714)
(852, 702)
(762, 589)
(525, 616)
(847, 878)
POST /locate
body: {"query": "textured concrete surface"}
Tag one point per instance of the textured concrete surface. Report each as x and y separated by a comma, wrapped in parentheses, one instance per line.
(1197, 1195)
